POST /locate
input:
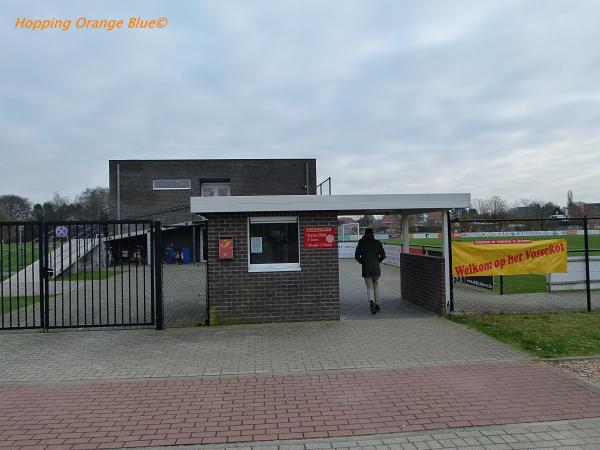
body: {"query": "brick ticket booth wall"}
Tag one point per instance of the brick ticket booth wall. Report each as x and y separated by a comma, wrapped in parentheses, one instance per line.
(422, 281)
(237, 295)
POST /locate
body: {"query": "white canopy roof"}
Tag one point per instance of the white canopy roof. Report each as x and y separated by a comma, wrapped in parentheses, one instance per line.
(344, 204)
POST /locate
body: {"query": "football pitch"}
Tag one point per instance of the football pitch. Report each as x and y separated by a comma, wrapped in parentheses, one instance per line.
(575, 244)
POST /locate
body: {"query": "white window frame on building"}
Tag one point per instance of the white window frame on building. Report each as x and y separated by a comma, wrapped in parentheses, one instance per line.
(273, 267)
(221, 189)
(175, 184)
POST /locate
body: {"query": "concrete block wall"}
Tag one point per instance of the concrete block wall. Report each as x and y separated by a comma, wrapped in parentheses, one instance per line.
(422, 281)
(238, 296)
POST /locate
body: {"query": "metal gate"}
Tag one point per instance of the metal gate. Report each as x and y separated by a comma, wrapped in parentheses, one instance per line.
(80, 274)
(184, 275)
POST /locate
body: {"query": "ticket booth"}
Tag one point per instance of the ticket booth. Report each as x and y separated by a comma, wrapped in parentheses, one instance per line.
(275, 258)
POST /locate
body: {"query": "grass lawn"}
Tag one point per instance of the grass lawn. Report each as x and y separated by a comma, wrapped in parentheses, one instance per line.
(8, 305)
(89, 275)
(573, 242)
(545, 335)
(520, 284)
(18, 256)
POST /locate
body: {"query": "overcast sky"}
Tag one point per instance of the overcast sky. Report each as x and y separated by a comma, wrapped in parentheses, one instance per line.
(390, 96)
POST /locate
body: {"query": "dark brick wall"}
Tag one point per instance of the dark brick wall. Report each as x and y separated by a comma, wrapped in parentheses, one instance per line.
(422, 281)
(238, 296)
(247, 177)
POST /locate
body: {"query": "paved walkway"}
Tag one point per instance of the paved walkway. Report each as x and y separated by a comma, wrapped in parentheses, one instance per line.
(184, 294)
(245, 349)
(353, 295)
(116, 414)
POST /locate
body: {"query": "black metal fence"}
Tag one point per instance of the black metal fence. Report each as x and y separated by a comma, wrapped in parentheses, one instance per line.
(576, 290)
(80, 274)
(21, 279)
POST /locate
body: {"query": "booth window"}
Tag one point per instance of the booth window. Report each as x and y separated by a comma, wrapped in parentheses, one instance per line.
(163, 185)
(273, 244)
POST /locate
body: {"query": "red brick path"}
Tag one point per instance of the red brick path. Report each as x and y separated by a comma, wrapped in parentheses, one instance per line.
(112, 414)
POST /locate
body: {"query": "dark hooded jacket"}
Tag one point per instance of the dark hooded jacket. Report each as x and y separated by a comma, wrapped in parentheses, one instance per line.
(369, 252)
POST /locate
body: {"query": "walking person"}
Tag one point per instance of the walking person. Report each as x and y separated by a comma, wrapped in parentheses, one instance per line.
(369, 253)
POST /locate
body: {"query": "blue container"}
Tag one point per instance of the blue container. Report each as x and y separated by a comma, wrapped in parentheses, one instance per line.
(169, 255)
(187, 255)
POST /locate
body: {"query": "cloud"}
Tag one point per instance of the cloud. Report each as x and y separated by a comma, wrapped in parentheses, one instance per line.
(498, 97)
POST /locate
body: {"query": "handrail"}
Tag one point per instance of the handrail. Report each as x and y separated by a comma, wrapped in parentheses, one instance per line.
(320, 185)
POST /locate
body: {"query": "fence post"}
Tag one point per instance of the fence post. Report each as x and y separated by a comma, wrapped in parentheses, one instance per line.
(587, 264)
(158, 293)
(447, 252)
(44, 263)
(41, 274)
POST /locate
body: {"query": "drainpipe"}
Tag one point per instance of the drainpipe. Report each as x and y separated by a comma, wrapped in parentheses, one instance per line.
(306, 186)
(447, 231)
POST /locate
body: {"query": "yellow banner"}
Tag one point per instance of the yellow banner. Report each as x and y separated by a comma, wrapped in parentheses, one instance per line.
(509, 257)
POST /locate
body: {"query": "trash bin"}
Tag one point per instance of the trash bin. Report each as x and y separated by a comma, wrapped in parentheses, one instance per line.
(169, 256)
(187, 255)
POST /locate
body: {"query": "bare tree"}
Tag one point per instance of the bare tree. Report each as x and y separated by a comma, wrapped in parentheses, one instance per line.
(492, 208)
(4, 216)
(92, 204)
(57, 209)
(15, 207)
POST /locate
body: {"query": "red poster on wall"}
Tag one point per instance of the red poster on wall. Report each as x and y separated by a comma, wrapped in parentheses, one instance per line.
(319, 237)
(225, 247)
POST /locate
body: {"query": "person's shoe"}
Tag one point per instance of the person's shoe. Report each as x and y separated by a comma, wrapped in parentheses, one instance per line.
(377, 308)
(372, 305)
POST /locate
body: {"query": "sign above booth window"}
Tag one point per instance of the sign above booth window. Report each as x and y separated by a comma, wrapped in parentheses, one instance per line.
(319, 237)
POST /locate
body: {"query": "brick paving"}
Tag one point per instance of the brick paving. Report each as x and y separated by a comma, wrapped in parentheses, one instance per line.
(574, 434)
(137, 413)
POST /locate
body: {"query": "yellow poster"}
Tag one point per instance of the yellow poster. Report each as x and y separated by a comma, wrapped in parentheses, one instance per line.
(509, 257)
